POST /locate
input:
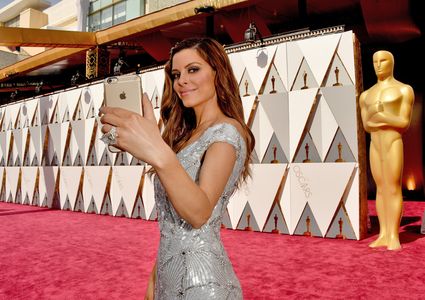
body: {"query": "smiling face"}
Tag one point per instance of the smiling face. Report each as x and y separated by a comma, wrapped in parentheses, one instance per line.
(383, 63)
(193, 78)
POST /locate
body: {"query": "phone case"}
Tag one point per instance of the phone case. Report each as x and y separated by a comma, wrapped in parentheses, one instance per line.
(124, 92)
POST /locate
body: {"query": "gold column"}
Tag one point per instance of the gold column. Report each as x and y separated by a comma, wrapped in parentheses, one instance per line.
(97, 62)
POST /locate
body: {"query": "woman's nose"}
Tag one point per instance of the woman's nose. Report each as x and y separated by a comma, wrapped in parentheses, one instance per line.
(182, 79)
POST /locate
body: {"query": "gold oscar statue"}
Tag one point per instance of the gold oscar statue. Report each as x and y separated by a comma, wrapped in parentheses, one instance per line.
(274, 160)
(246, 88)
(307, 224)
(275, 230)
(340, 236)
(337, 83)
(306, 160)
(156, 102)
(273, 91)
(339, 159)
(386, 110)
(305, 81)
(248, 225)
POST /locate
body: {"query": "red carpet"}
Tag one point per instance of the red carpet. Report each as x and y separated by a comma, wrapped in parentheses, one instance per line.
(50, 254)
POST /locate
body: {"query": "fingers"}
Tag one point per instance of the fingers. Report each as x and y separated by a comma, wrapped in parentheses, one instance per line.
(120, 112)
(147, 108)
(111, 119)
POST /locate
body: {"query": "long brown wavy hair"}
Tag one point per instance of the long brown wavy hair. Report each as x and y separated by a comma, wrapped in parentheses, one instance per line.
(180, 121)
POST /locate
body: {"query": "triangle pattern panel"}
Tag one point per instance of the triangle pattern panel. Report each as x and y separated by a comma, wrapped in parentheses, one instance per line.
(121, 159)
(92, 157)
(294, 59)
(148, 196)
(156, 104)
(307, 153)
(254, 157)
(237, 203)
(307, 224)
(274, 153)
(285, 201)
(276, 222)
(323, 128)
(11, 115)
(339, 151)
(262, 130)
(28, 110)
(47, 184)
(257, 62)
(154, 214)
(87, 103)
(52, 111)
(304, 78)
(263, 188)
(78, 162)
(248, 104)
(318, 53)
(342, 102)
(78, 114)
(351, 202)
(45, 154)
(81, 137)
(153, 81)
(246, 86)
(124, 185)
(106, 206)
(94, 184)
(18, 144)
(300, 105)
(92, 208)
(247, 221)
(337, 75)
(323, 192)
(79, 202)
(121, 209)
(36, 198)
(28, 180)
(66, 115)
(97, 95)
(69, 184)
(341, 226)
(238, 65)
(138, 209)
(57, 139)
(276, 107)
(280, 63)
(273, 82)
(346, 53)
(68, 102)
(4, 145)
(12, 175)
(107, 158)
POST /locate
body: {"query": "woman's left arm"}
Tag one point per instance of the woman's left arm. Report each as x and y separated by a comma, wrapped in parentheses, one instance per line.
(140, 136)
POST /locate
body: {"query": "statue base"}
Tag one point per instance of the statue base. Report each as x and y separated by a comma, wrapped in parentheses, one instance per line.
(307, 233)
(340, 237)
(276, 231)
(248, 228)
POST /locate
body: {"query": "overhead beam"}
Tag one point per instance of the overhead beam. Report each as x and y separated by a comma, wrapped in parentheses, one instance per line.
(33, 37)
(47, 57)
(155, 20)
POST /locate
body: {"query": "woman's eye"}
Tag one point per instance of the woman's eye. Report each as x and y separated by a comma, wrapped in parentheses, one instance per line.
(193, 70)
(175, 76)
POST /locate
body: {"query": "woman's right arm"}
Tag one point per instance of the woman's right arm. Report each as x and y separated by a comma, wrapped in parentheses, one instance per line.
(150, 291)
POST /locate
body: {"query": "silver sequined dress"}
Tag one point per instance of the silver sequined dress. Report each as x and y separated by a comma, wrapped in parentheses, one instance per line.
(192, 263)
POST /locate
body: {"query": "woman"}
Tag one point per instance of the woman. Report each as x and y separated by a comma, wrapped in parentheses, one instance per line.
(200, 159)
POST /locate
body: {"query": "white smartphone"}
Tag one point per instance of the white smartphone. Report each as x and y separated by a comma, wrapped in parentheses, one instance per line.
(124, 92)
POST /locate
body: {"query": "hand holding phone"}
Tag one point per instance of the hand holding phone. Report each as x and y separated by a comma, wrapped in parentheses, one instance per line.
(123, 92)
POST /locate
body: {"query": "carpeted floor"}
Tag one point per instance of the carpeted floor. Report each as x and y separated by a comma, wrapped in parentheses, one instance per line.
(50, 254)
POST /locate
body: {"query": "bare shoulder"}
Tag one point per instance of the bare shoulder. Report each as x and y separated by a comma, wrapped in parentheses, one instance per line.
(235, 124)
